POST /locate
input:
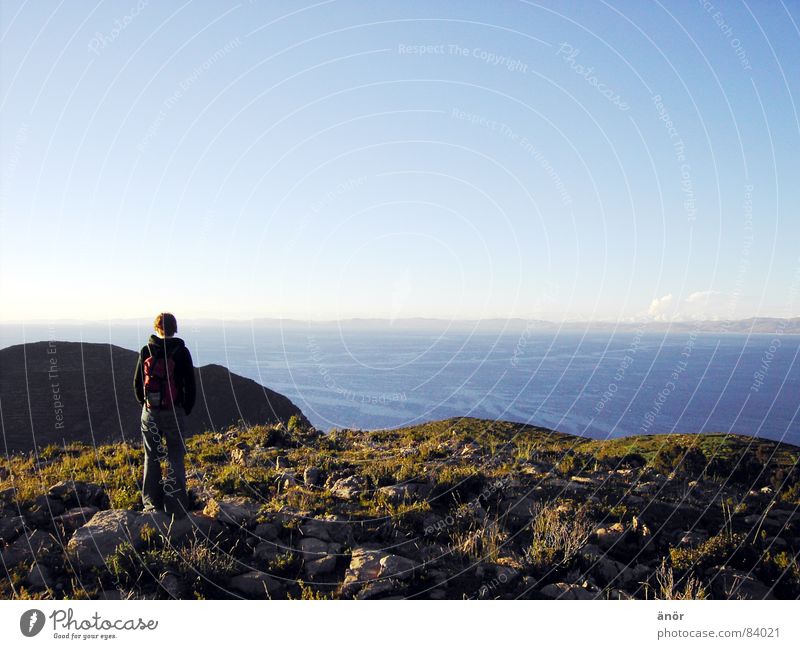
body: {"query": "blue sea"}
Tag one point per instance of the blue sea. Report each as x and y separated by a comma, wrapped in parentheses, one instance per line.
(594, 384)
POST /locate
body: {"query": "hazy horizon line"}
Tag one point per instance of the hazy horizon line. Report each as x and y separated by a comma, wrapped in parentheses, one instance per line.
(437, 319)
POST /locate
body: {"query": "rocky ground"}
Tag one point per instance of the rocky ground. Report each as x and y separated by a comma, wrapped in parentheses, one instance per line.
(462, 508)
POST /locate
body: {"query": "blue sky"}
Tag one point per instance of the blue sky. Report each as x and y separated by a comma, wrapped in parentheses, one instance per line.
(585, 160)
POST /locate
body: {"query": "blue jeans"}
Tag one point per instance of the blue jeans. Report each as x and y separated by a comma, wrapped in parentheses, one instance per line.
(162, 435)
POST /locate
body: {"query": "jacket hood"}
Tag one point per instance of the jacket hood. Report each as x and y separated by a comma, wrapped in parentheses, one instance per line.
(158, 345)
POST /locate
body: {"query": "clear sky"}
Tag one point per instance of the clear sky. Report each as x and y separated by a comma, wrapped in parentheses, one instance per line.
(470, 159)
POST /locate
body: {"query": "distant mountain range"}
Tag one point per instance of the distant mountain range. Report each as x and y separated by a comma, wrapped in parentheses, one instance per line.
(752, 325)
(777, 326)
(52, 392)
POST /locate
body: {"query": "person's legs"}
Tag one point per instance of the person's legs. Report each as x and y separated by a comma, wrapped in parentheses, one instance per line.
(154, 452)
(174, 485)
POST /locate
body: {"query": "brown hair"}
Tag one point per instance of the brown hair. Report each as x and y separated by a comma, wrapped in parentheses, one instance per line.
(166, 324)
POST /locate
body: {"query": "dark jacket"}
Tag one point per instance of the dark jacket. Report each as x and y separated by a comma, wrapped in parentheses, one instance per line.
(184, 370)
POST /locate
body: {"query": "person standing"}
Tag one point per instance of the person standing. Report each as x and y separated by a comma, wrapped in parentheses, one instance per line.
(165, 387)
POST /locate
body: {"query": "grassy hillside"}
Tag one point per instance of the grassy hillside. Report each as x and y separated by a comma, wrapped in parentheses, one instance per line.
(456, 508)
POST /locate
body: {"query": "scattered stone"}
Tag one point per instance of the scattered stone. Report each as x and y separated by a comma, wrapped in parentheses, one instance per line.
(160, 524)
(75, 493)
(74, 518)
(470, 449)
(566, 485)
(692, 538)
(417, 555)
(92, 544)
(434, 553)
(233, 510)
(348, 488)
(782, 514)
(316, 528)
(255, 584)
(11, 527)
(438, 577)
(393, 565)
(27, 547)
(9, 496)
(364, 566)
(111, 595)
(566, 591)
(203, 526)
(171, 585)
(607, 537)
(313, 548)
(729, 583)
(320, 567)
(369, 564)
(266, 531)
(398, 493)
(380, 589)
(590, 552)
(340, 529)
(433, 524)
(762, 522)
(663, 515)
(40, 577)
(312, 476)
(47, 507)
(39, 542)
(608, 570)
(521, 509)
(266, 551)
(395, 493)
(646, 488)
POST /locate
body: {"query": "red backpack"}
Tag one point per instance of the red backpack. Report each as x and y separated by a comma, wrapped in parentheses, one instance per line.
(160, 388)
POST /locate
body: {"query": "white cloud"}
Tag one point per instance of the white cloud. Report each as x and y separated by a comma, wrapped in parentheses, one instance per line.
(700, 305)
(661, 307)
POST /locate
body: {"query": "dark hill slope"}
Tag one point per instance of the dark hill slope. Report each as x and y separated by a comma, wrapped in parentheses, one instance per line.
(57, 391)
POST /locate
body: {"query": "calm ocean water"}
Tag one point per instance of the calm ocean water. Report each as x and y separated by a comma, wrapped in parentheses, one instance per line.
(598, 384)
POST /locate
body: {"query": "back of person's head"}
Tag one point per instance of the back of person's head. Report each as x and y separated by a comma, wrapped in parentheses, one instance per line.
(166, 324)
